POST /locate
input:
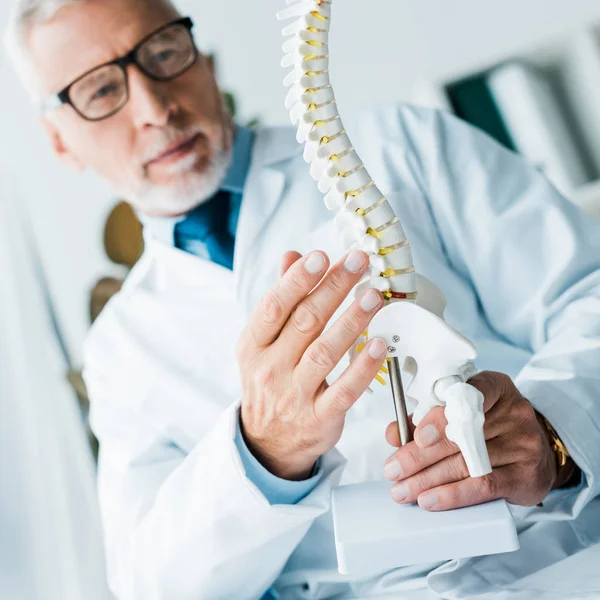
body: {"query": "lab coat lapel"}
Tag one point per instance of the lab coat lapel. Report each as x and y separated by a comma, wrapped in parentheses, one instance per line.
(263, 193)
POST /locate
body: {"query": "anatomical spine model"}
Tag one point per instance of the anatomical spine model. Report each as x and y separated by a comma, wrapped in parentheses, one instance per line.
(435, 355)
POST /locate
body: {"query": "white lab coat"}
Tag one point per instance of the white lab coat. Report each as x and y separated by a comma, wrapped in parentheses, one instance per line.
(50, 532)
(520, 268)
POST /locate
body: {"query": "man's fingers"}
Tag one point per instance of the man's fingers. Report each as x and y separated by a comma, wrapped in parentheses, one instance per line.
(277, 304)
(431, 444)
(469, 492)
(450, 470)
(411, 459)
(289, 258)
(492, 385)
(308, 319)
(327, 350)
(392, 435)
(352, 384)
(432, 428)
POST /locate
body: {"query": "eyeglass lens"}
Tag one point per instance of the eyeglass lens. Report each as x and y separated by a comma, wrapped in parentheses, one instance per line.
(100, 92)
(164, 56)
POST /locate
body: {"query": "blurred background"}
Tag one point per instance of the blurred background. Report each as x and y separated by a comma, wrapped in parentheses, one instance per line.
(383, 52)
(526, 71)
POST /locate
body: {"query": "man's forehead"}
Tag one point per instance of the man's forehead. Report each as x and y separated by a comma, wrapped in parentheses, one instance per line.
(87, 34)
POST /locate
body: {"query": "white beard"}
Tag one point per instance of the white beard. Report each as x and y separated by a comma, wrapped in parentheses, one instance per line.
(190, 191)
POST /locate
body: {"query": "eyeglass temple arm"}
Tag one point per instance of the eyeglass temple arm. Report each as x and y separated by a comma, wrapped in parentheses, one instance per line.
(50, 103)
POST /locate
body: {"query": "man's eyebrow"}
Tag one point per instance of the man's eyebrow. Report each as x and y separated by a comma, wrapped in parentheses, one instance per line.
(160, 31)
(96, 74)
(166, 34)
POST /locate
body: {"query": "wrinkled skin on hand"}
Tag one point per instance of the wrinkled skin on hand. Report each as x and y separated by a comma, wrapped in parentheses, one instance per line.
(432, 472)
(290, 416)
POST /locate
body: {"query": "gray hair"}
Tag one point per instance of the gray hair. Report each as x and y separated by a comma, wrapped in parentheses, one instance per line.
(24, 15)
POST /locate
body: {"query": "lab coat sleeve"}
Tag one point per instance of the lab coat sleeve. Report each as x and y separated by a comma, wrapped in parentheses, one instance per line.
(180, 525)
(534, 261)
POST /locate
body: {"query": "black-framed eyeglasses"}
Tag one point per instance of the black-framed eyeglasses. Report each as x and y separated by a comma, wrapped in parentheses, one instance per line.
(103, 91)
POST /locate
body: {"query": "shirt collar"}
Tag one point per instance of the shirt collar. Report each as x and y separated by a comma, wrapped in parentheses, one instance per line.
(163, 228)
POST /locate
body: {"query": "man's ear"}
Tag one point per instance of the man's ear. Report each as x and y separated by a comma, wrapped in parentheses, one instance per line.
(59, 147)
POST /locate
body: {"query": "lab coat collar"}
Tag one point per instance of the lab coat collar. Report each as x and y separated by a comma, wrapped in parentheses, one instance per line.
(275, 145)
(273, 149)
(166, 262)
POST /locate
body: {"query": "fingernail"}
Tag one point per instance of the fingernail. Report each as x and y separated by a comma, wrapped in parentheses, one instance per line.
(377, 348)
(400, 492)
(427, 436)
(392, 470)
(370, 301)
(427, 500)
(315, 263)
(355, 261)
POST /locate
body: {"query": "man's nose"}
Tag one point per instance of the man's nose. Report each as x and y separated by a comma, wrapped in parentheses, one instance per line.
(151, 103)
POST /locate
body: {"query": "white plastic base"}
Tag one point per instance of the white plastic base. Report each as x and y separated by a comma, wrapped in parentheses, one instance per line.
(374, 534)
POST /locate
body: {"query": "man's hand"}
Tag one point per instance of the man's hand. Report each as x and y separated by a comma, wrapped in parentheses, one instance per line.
(289, 415)
(432, 472)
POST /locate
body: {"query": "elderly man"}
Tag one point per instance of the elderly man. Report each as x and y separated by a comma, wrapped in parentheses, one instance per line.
(217, 485)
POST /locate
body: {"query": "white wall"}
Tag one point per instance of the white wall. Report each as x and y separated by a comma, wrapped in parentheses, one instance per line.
(380, 49)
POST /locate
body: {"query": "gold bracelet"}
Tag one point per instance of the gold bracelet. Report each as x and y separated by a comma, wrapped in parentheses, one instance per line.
(562, 454)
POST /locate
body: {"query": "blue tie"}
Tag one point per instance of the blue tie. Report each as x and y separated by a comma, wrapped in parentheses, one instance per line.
(208, 223)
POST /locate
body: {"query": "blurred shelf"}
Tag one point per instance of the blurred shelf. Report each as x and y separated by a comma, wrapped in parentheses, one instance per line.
(543, 102)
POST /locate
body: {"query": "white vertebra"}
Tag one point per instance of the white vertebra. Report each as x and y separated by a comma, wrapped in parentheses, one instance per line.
(365, 218)
(434, 351)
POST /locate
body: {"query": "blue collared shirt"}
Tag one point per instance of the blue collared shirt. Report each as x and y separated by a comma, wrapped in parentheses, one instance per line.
(276, 490)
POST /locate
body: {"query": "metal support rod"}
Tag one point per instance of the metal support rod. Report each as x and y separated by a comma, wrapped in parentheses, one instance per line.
(404, 430)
